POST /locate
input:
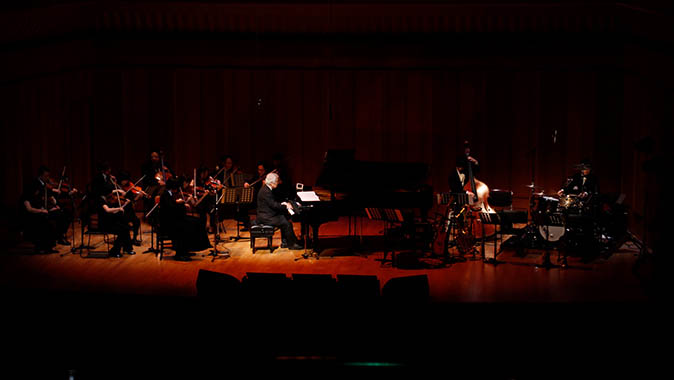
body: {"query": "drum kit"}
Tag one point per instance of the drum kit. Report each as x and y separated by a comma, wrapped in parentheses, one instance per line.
(552, 218)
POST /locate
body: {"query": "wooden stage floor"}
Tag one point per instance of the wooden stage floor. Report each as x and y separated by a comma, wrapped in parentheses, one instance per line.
(482, 317)
(515, 279)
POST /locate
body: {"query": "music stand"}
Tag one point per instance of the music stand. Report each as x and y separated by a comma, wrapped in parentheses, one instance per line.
(153, 231)
(243, 195)
(390, 217)
(227, 193)
(549, 220)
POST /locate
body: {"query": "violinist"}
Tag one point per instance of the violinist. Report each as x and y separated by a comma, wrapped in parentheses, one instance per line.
(186, 233)
(34, 217)
(206, 187)
(225, 171)
(132, 193)
(102, 184)
(48, 188)
(257, 181)
(155, 171)
(112, 218)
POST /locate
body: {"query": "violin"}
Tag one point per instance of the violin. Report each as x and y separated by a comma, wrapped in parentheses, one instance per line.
(115, 200)
(134, 189)
(262, 177)
(213, 184)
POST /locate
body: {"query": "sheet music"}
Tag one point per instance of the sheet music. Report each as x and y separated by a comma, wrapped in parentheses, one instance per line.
(308, 196)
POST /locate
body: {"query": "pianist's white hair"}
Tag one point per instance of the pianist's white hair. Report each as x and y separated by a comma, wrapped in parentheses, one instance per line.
(271, 178)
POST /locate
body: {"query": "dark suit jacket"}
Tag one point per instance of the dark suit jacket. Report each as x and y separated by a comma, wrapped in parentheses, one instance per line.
(101, 186)
(267, 206)
(576, 185)
(455, 184)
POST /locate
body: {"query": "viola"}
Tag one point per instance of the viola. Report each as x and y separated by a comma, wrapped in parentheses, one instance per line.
(115, 200)
(163, 174)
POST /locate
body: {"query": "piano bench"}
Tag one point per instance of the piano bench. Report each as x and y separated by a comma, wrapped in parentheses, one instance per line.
(262, 231)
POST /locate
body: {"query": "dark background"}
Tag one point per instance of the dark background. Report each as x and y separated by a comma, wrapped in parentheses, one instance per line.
(83, 82)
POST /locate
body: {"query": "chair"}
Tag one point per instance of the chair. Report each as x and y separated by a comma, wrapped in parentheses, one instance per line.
(93, 227)
(258, 230)
(161, 236)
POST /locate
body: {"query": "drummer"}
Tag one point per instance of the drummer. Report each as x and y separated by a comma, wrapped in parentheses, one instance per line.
(583, 183)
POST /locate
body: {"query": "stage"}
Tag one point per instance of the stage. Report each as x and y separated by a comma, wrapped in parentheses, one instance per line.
(512, 314)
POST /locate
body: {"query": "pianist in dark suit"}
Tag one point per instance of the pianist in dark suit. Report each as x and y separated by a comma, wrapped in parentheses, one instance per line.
(272, 212)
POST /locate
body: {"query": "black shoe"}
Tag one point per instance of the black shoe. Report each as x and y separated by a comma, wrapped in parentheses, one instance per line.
(63, 242)
(130, 252)
(115, 254)
(296, 246)
(284, 243)
(182, 258)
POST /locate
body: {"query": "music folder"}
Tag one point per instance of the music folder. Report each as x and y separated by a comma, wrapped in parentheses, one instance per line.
(308, 196)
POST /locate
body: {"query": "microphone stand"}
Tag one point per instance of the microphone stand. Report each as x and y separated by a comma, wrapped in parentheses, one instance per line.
(216, 234)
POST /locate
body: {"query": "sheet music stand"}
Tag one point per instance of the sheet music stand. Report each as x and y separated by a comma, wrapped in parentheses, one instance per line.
(495, 220)
(390, 217)
(216, 234)
(243, 195)
(548, 220)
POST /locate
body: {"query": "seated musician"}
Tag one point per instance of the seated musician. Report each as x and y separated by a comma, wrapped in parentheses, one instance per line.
(155, 177)
(271, 212)
(206, 192)
(129, 211)
(112, 219)
(226, 170)
(34, 216)
(187, 233)
(583, 183)
(257, 181)
(56, 216)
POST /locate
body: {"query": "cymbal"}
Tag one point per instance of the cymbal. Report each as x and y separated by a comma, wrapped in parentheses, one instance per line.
(533, 186)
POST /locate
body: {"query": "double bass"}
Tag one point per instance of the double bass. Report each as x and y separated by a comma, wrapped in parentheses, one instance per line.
(478, 202)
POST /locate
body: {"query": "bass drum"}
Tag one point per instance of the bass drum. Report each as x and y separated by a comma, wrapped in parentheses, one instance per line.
(551, 233)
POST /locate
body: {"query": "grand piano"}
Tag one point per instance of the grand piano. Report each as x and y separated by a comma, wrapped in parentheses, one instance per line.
(346, 187)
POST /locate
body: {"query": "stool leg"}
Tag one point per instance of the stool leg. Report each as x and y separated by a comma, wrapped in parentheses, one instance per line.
(252, 244)
(269, 242)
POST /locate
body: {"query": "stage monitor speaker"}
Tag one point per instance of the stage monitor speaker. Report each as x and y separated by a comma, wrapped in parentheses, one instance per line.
(215, 285)
(357, 287)
(273, 287)
(413, 289)
(315, 287)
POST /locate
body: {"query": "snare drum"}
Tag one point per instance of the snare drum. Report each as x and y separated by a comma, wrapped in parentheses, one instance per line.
(544, 205)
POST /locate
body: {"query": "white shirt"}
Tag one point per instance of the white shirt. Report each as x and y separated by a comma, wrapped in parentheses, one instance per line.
(462, 177)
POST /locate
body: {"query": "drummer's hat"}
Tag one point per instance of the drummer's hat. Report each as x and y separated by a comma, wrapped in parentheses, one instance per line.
(584, 164)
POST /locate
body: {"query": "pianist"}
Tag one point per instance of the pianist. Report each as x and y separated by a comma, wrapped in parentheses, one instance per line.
(271, 212)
